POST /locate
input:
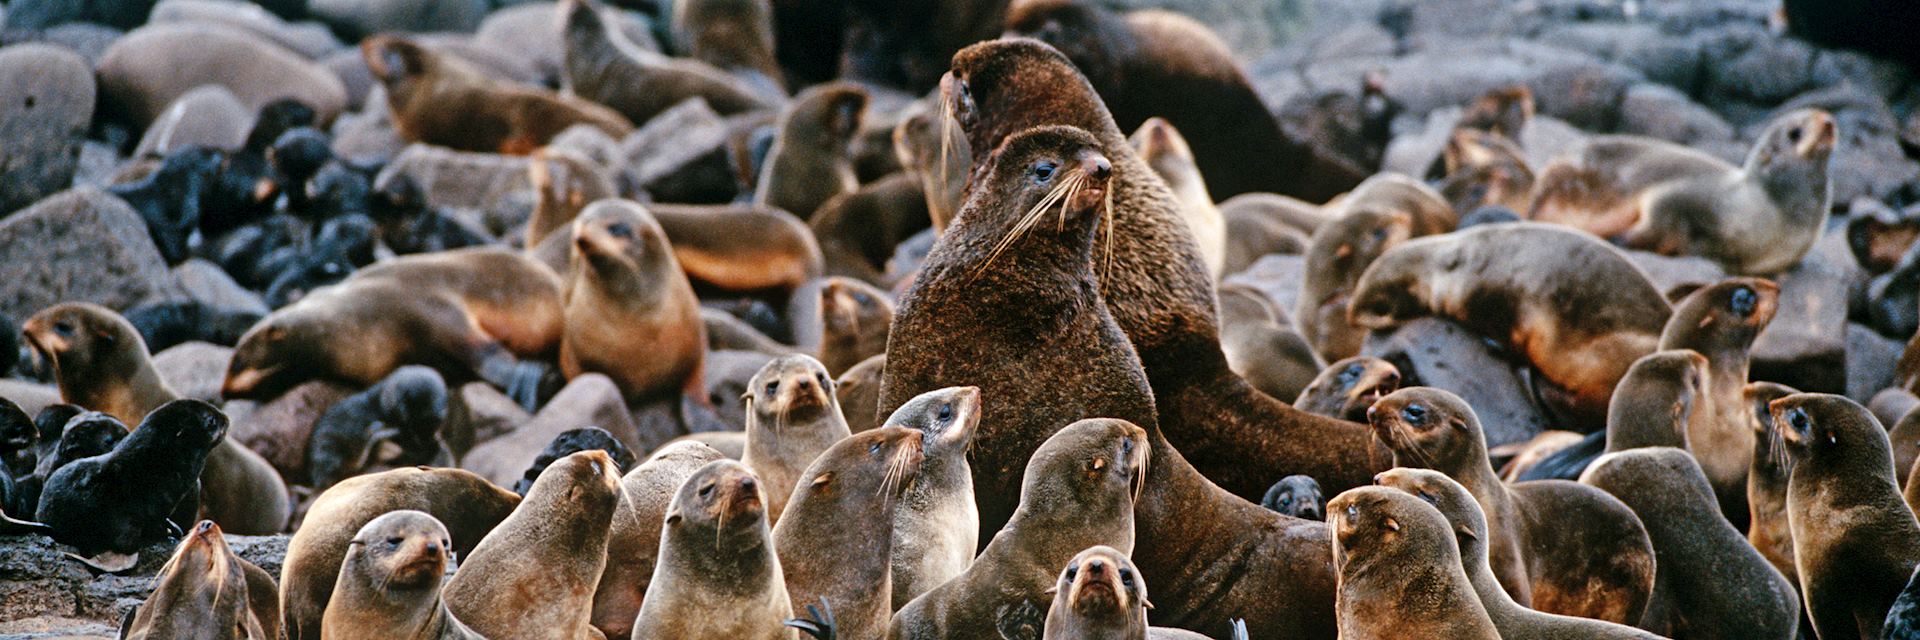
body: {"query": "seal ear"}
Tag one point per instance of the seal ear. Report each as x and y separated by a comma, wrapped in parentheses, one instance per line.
(822, 480)
(1053, 590)
(1390, 523)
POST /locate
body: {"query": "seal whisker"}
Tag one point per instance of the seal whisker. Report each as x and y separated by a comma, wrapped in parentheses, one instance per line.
(1026, 221)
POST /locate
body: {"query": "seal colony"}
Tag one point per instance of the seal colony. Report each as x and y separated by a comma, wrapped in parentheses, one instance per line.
(778, 319)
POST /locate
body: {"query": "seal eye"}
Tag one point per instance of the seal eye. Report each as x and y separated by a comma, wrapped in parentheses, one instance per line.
(64, 328)
(1799, 420)
(1377, 234)
(1351, 373)
(1353, 511)
(620, 230)
(395, 541)
(1793, 135)
(862, 298)
(1415, 414)
(1072, 572)
(822, 378)
(1043, 171)
(773, 387)
(1126, 578)
(706, 491)
(1286, 501)
(1743, 301)
(874, 448)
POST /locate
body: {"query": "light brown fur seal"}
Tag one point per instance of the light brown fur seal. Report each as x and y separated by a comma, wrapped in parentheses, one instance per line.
(717, 577)
(1163, 149)
(1102, 596)
(205, 591)
(441, 100)
(389, 584)
(848, 568)
(936, 528)
(630, 311)
(1400, 570)
(533, 576)
(633, 541)
(602, 65)
(1556, 546)
(792, 418)
(809, 162)
(1721, 321)
(1346, 389)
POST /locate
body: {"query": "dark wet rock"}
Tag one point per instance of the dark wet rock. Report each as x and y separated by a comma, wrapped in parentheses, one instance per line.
(42, 14)
(37, 580)
(46, 103)
(80, 245)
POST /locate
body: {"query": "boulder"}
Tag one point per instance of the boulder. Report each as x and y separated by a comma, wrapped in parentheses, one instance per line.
(152, 66)
(311, 40)
(587, 400)
(279, 429)
(46, 104)
(43, 590)
(81, 245)
(356, 19)
(194, 369)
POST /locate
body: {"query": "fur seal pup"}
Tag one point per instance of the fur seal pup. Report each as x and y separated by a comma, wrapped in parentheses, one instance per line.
(860, 479)
(1101, 596)
(936, 154)
(111, 506)
(604, 66)
(1297, 496)
(1263, 344)
(1161, 294)
(407, 409)
(465, 503)
(1036, 313)
(809, 163)
(443, 100)
(1488, 279)
(564, 183)
(859, 391)
(389, 583)
(1721, 321)
(1485, 169)
(859, 231)
(936, 528)
(1655, 402)
(1346, 389)
(717, 576)
(1709, 581)
(533, 576)
(1470, 531)
(102, 363)
(1078, 491)
(854, 319)
(1400, 570)
(1854, 539)
(570, 442)
(1768, 529)
(630, 311)
(634, 538)
(205, 591)
(1603, 568)
(1160, 63)
(1162, 148)
(792, 418)
(734, 35)
(471, 314)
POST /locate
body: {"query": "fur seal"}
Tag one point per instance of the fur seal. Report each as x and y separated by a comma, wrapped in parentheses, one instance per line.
(630, 311)
(1721, 321)
(1101, 596)
(533, 576)
(408, 409)
(809, 163)
(389, 583)
(717, 576)
(1162, 295)
(564, 183)
(467, 504)
(1656, 401)
(1338, 253)
(1078, 491)
(443, 100)
(936, 528)
(205, 591)
(1709, 580)
(1160, 63)
(1400, 570)
(1346, 389)
(1162, 148)
(1297, 496)
(1485, 169)
(101, 363)
(936, 154)
(471, 314)
(1504, 296)
(859, 391)
(1262, 343)
(1854, 539)
(1469, 526)
(111, 506)
(860, 479)
(792, 418)
(1603, 568)
(604, 66)
(1768, 529)
(1036, 314)
(859, 231)
(634, 538)
(746, 249)
(734, 35)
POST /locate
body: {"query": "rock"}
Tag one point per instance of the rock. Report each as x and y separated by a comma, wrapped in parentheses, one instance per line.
(1871, 358)
(592, 143)
(208, 115)
(81, 245)
(194, 369)
(460, 180)
(587, 400)
(38, 581)
(1670, 272)
(1661, 112)
(85, 38)
(279, 429)
(726, 375)
(31, 396)
(1410, 153)
(309, 39)
(1766, 71)
(681, 155)
(98, 163)
(356, 19)
(369, 134)
(46, 104)
(478, 413)
(41, 14)
(156, 64)
(203, 281)
(530, 30)
(1436, 353)
(1805, 347)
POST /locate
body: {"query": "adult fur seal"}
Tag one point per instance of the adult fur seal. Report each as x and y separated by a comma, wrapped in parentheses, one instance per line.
(205, 591)
(533, 576)
(101, 363)
(1400, 570)
(1854, 539)
(1036, 314)
(1488, 278)
(631, 313)
(859, 479)
(389, 584)
(1160, 63)
(1721, 321)
(467, 504)
(1709, 582)
(1470, 531)
(1603, 568)
(936, 528)
(634, 538)
(717, 576)
(792, 418)
(471, 314)
(809, 163)
(1078, 491)
(1162, 295)
(602, 65)
(442, 100)
(111, 506)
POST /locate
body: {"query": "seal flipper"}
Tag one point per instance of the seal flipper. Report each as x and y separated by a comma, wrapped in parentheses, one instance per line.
(1239, 629)
(108, 561)
(11, 526)
(528, 383)
(818, 623)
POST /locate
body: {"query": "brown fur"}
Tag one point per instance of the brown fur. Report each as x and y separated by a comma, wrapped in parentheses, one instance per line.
(792, 417)
(1768, 529)
(1485, 169)
(1348, 388)
(1656, 401)
(205, 591)
(388, 590)
(1601, 567)
(444, 101)
(634, 538)
(533, 576)
(858, 231)
(735, 35)
(1400, 570)
(859, 479)
(935, 152)
(810, 162)
(741, 248)
(564, 183)
(602, 65)
(1262, 344)
(717, 576)
(1721, 321)
(631, 314)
